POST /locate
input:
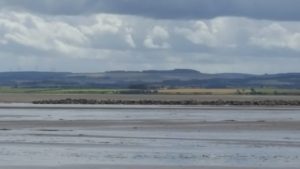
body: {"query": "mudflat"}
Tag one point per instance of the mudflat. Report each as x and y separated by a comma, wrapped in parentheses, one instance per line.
(146, 137)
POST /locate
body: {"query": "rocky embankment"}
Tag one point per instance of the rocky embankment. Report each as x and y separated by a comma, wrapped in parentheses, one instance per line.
(170, 102)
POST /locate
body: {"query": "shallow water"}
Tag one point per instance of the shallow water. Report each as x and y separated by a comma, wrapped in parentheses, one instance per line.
(151, 136)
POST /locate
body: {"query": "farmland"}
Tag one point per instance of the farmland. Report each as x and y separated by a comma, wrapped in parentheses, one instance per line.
(231, 91)
(175, 91)
(59, 90)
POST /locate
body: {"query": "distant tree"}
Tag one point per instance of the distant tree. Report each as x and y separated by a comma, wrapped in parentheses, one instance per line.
(253, 91)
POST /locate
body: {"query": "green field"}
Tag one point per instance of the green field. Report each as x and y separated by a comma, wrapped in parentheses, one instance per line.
(230, 91)
(58, 90)
(199, 91)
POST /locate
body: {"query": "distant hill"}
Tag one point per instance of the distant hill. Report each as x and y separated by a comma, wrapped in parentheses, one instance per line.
(148, 78)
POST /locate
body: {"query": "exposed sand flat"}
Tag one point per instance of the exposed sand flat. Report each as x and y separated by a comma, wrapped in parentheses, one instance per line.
(171, 125)
(160, 137)
(28, 98)
(132, 167)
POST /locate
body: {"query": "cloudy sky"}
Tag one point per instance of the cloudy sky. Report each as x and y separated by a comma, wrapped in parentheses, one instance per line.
(248, 36)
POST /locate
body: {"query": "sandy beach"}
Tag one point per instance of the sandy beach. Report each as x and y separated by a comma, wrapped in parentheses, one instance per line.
(147, 137)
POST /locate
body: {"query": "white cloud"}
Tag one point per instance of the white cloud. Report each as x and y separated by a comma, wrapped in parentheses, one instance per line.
(103, 24)
(199, 33)
(215, 44)
(157, 38)
(277, 36)
(61, 36)
(35, 32)
(217, 33)
(129, 37)
(130, 41)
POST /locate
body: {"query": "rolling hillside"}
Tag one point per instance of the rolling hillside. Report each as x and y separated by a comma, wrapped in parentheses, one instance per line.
(148, 79)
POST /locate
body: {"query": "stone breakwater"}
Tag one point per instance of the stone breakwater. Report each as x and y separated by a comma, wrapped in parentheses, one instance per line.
(170, 102)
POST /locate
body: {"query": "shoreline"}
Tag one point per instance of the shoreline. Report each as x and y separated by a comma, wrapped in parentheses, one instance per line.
(155, 100)
(122, 106)
(164, 102)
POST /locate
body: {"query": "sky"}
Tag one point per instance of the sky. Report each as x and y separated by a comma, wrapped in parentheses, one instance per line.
(211, 36)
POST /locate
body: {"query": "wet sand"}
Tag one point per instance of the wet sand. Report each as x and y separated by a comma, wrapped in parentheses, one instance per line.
(137, 167)
(137, 137)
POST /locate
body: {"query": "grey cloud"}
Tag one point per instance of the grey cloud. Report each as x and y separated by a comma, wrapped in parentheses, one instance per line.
(166, 9)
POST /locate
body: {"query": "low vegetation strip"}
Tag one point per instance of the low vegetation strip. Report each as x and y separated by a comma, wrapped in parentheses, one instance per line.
(171, 102)
(165, 91)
